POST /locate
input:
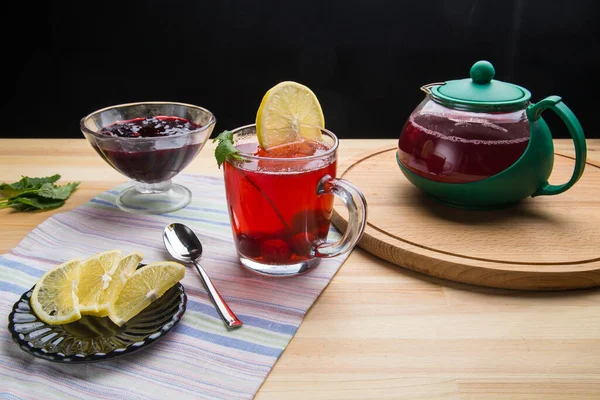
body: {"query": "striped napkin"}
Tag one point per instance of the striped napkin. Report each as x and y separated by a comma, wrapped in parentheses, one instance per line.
(199, 358)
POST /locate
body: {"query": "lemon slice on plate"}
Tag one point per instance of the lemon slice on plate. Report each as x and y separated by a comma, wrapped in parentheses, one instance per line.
(120, 275)
(145, 285)
(95, 278)
(54, 299)
(288, 112)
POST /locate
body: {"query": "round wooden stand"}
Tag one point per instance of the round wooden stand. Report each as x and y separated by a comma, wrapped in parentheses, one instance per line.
(542, 243)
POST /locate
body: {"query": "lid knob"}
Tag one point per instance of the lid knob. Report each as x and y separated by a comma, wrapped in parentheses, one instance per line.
(480, 92)
(482, 72)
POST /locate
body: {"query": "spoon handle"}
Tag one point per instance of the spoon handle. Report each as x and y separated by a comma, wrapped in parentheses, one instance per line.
(228, 317)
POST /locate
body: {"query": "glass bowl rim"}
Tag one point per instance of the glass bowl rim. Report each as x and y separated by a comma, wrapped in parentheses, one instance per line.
(85, 130)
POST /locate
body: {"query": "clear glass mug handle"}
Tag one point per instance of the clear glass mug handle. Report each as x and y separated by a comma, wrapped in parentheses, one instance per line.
(357, 216)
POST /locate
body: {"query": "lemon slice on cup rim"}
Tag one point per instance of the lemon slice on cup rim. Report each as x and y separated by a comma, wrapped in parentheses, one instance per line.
(287, 113)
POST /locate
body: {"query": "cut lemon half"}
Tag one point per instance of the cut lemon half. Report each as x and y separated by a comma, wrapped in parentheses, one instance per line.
(94, 281)
(54, 299)
(288, 112)
(145, 285)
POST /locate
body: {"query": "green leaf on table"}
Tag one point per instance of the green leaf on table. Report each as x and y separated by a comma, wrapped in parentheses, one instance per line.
(63, 192)
(26, 183)
(35, 193)
(6, 190)
(33, 183)
(225, 148)
(25, 203)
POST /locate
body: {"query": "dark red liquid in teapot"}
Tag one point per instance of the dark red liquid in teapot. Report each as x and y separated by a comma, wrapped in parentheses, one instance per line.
(150, 166)
(451, 151)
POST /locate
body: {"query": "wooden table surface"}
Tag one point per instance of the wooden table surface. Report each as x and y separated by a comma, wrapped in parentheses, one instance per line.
(380, 331)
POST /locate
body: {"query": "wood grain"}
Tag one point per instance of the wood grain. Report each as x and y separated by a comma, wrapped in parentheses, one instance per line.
(546, 243)
(380, 331)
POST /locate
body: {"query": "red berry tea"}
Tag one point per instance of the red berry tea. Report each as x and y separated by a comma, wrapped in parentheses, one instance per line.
(275, 211)
(458, 151)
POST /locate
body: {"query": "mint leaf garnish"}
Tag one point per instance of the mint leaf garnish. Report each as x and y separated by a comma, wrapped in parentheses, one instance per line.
(30, 194)
(225, 148)
(225, 135)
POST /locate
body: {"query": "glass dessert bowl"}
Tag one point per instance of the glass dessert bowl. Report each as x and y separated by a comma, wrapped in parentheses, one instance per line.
(150, 143)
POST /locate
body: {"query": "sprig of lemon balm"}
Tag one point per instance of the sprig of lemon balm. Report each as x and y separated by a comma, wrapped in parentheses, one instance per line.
(29, 194)
(225, 148)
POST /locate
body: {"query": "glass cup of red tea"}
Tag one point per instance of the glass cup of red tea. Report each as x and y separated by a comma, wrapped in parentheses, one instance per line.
(280, 203)
(150, 143)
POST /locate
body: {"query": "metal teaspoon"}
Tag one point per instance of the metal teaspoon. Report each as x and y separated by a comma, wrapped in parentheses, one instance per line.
(183, 244)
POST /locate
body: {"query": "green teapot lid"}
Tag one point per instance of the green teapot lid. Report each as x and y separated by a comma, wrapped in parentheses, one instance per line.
(481, 92)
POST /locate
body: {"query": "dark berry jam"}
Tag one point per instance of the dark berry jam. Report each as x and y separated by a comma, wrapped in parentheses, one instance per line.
(150, 127)
(150, 162)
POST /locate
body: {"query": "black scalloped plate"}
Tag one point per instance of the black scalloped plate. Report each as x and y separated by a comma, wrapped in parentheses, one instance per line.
(92, 339)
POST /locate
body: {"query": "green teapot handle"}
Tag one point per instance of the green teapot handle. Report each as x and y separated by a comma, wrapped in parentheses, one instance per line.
(555, 103)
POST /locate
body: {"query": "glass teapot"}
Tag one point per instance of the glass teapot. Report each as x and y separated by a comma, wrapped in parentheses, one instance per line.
(481, 143)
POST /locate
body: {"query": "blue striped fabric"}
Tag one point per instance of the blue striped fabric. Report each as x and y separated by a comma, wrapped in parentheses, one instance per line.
(199, 358)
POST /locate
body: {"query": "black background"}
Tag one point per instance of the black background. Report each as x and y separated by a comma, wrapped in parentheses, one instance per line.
(365, 60)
